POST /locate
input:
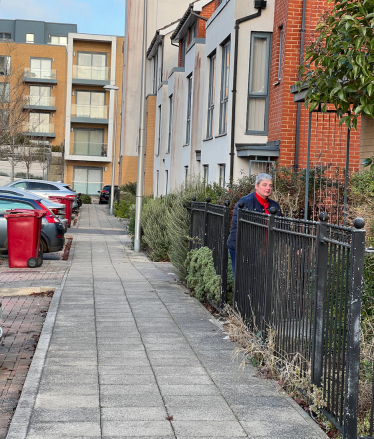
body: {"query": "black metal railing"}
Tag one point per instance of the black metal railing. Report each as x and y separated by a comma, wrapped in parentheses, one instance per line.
(210, 224)
(304, 280)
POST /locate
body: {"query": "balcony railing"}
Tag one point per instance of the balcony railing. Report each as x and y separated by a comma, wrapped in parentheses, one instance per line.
(31, 73)
(91, 73)
(47, 128)
(89, 111)
(91, 149)
(39, 101)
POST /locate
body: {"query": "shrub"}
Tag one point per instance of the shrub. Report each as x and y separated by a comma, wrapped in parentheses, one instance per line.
(129, 188)
(86, 199)
(56, 148)
(202, 277)
(122, 209)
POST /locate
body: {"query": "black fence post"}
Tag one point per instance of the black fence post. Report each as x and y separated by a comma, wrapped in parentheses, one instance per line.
(238, 256)
(354, 330)
(270, 267)
(224, 262)
(320, 299)
(191, 223)
(206, 222)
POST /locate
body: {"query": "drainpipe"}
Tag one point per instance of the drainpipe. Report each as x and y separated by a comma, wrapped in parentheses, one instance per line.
(298, 112)
(258, 4)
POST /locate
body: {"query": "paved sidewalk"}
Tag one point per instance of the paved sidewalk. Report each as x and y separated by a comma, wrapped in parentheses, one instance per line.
(126, 353)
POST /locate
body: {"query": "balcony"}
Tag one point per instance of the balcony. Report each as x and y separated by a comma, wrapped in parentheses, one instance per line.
(89, 113)
(90, 149)
(91, 75)
(43, 76)
(47, 103)
(41, 130)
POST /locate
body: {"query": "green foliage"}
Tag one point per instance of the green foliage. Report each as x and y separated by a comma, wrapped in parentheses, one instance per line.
(202, 277)
(56, 148)
(24, 175)
(86, 199)
(131, 226)
(129, 188)
(368, 286)
(369, 162)
(362, 185)
(122, 209)
(339, 63)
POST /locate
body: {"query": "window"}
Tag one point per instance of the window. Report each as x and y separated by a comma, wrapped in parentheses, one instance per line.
(87, 180)
(39, 122)
(20, 185)
(184, 46)
(4, 65)
(206, 173)
(4, 92)
(189, 108)
(258, 93)
(5, 36)
(157, 181)
(4, 120)
(170, 122)
(192, 32)
(185, 177)
(41, 68)
(30, 38)
(9, 204)
(211, 92)
(91, 104)
(166, 181)
(91, 66)
(155, 62)
(159, 131)
(40, 95)
(221, 175)
(161, 67)
(224, 88)
(38, 186)
(60, 41)
(89, 142)
(280, 52)
(260, 165)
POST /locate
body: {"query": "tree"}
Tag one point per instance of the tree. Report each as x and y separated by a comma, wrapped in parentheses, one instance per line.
(339, 64)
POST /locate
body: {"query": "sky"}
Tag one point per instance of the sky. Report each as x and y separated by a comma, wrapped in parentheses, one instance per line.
(105, 17)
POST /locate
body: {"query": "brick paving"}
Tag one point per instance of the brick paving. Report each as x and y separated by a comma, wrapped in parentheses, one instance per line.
(23, 318)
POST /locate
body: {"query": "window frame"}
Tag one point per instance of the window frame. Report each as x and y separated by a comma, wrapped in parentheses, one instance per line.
(222, 182)
(59, 37)
(211, 96)
(225, 82)
(5, 71)
(189, 109)
(102, 131)
(166, 181)
(259, 95)
(33, 38)
(159, 130)
(168, 150)
(2, 36)
(206, 174)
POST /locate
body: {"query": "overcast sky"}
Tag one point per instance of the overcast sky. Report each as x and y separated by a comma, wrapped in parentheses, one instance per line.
(105, 17)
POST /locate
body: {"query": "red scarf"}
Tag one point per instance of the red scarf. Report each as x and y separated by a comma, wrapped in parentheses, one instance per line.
(264, 203)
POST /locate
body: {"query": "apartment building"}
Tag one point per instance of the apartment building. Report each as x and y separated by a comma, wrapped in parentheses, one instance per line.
(160, 14)
(92, 125)
(33, 65)
(63, 78)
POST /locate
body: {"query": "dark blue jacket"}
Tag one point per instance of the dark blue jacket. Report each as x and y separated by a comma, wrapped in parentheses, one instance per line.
(250, 203)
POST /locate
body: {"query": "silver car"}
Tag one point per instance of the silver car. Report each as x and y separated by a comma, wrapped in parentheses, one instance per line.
(57, 208)
(45, 188)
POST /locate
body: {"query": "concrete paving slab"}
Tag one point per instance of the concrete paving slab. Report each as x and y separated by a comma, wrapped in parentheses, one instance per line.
(129, 348)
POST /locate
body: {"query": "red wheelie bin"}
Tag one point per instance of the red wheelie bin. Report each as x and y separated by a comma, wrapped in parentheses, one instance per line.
(24, 229)
(68, 206)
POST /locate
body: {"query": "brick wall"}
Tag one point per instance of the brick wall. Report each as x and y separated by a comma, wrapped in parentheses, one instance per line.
(206, 13)
(325, 146)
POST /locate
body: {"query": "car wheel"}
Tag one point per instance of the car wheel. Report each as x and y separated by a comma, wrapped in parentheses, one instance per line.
(100, 202)
(45, 248)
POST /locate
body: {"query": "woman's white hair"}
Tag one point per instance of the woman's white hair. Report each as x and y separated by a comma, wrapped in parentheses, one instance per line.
(261, 177)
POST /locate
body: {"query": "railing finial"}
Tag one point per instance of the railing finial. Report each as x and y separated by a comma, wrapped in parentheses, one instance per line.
(208, 200)
(359, 223)
(227, 203)
(193, 198)
(273, 210)
(323, 216)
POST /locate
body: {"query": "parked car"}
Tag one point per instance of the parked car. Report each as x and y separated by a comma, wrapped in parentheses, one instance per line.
(57, 208)
(1, 318)
(46, 188)
(52, 235)
(104, 194)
